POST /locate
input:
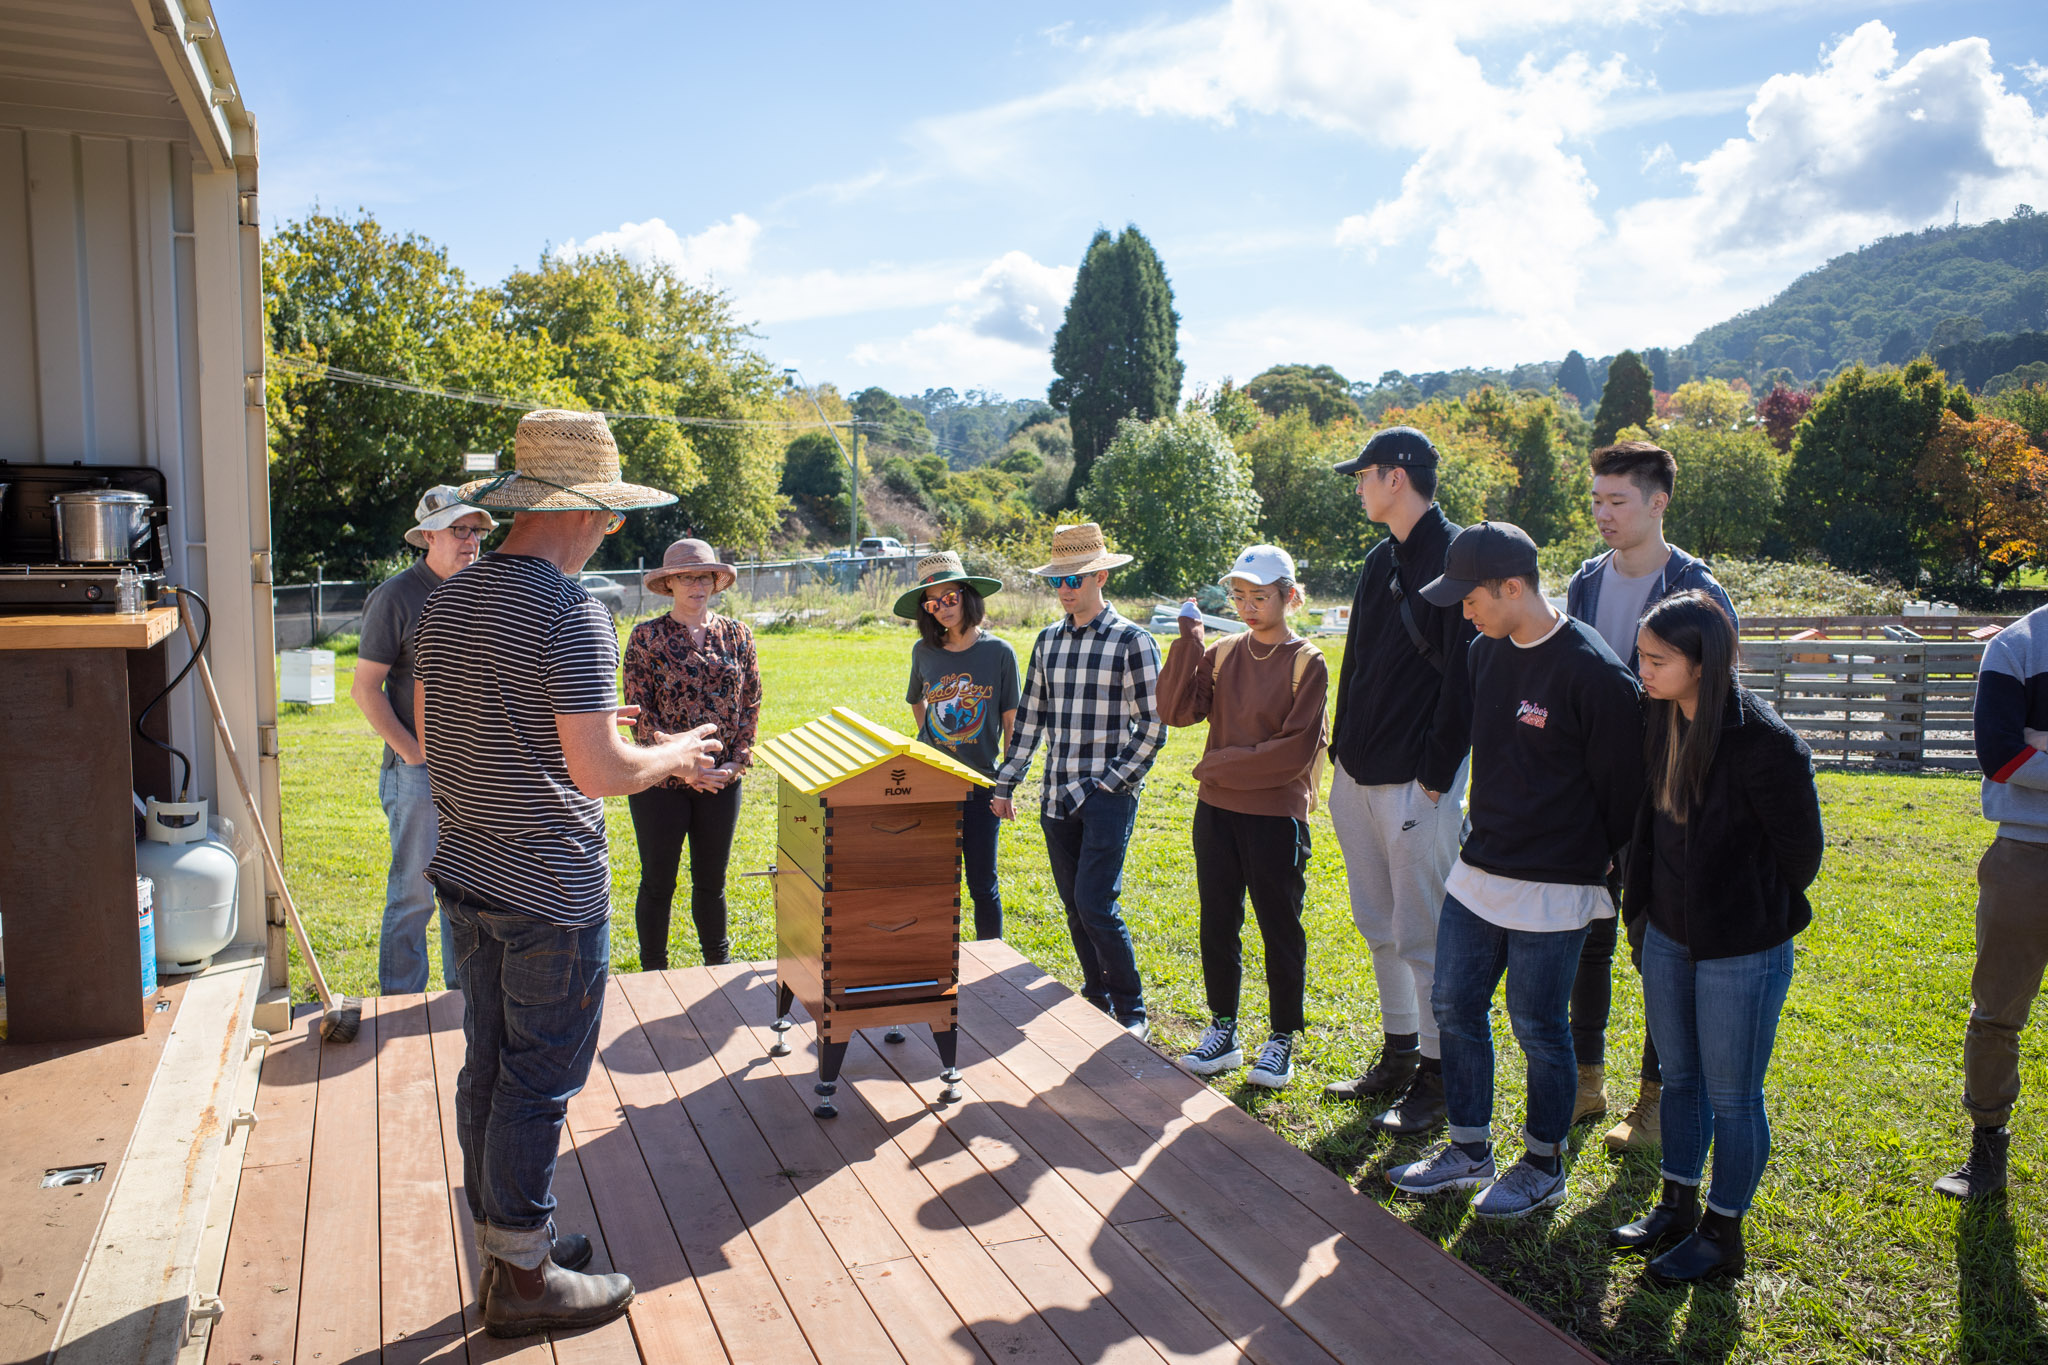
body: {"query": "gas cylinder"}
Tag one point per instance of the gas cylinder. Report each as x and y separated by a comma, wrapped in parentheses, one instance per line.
(197, 882)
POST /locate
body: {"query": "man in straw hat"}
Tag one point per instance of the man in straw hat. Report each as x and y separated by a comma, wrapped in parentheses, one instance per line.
(1091, 698)
(516, 666)
(452, 533)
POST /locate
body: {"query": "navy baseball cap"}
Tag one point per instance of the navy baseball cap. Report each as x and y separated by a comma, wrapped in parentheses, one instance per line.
(1479, 554)
(1401, 447)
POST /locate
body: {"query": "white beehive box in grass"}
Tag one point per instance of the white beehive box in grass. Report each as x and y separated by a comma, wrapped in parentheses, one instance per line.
(306, 675)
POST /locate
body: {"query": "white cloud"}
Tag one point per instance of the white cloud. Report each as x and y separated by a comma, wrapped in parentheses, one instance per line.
(996, 333)
(2035, 73)
(831, 293)
(719, 252)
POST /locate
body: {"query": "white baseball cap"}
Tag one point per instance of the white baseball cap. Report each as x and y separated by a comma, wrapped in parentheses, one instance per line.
(1260, 565)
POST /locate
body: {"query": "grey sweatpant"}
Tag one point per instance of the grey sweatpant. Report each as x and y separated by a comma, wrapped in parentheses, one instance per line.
(1398, 848)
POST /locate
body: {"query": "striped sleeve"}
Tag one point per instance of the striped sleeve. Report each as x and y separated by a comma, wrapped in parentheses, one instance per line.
(580, 660)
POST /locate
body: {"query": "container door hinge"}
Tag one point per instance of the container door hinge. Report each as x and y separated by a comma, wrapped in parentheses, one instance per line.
(273, 908)
(244, 1118)
(206, 1310)
(259, 566)
(252, 390)
(257, 1038)
(266, 742)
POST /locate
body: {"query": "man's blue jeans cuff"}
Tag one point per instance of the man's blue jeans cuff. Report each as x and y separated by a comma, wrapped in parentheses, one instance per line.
(1463, 1134)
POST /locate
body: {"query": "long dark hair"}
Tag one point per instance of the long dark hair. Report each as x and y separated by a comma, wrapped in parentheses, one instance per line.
(972, 613)
(1679, 754)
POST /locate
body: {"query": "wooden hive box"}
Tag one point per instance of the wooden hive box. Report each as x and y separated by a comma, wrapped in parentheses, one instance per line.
(867, 885)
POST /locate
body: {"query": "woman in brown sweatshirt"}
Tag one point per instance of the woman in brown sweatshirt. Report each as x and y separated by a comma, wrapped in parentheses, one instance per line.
(1263, 694)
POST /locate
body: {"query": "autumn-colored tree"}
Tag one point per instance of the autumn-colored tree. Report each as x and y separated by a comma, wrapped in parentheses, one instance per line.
(1989, 487)
(1780, 412)
(1708, 404)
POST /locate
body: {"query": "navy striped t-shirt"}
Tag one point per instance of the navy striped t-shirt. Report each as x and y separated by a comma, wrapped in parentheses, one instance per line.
(504, 647)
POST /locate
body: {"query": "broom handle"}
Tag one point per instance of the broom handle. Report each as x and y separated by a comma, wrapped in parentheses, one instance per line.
(284, 893)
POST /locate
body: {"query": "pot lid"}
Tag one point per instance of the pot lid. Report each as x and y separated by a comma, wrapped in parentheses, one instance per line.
(102, 495)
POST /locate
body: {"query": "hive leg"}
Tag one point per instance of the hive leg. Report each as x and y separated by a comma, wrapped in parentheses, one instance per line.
(894, 1035)
(949, 1054)
(784, 998)
(830, 1055)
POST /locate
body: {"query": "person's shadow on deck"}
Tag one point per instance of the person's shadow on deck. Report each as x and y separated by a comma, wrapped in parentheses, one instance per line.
(2000, 1320)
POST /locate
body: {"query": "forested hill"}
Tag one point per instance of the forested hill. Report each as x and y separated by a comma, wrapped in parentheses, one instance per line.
(1892, 300)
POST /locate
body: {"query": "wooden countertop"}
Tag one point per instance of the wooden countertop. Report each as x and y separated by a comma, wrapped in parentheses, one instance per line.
(88, 630)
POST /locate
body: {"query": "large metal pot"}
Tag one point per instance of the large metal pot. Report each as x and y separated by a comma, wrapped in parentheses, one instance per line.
(102, 525)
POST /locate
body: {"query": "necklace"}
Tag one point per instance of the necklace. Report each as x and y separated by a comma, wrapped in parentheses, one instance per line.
(1268, 654)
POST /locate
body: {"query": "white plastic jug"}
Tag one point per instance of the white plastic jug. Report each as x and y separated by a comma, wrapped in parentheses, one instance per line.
(198, 884)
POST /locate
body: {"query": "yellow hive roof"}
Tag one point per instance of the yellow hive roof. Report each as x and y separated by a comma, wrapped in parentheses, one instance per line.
(825, 752)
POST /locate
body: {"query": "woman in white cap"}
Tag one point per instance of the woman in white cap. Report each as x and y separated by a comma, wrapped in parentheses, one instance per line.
(687, 668)
(1263, 694)
(963, 691)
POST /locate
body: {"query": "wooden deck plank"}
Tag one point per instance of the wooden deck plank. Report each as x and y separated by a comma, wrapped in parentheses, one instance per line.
(836, 1319)
(444, 1016)
(1260, 1331)
(981, 1297)
(420, 1291)
(259, 1281)
(754, 1320)
(917, 1314)
(1062, 1296)
(1182, 1102)
(670, 1319)
(613, 1343)
(339, 1315)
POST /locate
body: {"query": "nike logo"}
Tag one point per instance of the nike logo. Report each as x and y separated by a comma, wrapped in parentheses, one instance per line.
(1410, 825)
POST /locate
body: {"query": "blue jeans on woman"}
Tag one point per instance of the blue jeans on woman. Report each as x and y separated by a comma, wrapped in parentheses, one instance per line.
(1715, 1023)
(533, 993)
(1086, 850)
(980, 832)
(1472, 955)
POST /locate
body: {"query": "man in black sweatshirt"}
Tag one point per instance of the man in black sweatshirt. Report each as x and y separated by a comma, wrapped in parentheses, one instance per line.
(1557, 772)
(1397, 795)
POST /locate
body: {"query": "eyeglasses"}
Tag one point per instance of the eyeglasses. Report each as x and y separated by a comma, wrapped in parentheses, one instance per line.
(1066, 580)
(467, 532)
(611, 527)
(944, 599)
(698, 580)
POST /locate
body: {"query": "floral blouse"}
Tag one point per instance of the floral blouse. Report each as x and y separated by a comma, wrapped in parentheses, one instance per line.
(679, 687)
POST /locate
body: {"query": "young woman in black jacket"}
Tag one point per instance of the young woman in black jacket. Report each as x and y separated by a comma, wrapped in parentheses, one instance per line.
(1727, 840)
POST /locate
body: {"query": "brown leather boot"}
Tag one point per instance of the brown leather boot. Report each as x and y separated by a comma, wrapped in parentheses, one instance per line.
(1592, 1098)
(1640, 1129)
(550, 1299)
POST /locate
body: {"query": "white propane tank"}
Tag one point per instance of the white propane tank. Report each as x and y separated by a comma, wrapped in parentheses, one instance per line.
(197, 880)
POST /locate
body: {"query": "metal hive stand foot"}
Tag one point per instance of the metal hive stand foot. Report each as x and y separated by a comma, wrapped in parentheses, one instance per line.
(830, 1055)
(784, 998)
(948, 1043)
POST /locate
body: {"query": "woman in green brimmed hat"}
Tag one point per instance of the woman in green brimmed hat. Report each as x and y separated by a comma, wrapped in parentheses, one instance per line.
(963, 691)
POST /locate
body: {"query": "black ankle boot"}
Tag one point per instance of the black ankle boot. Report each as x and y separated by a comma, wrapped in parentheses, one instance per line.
(1713, 1252)
(1983, 1174)
(1663, 1227)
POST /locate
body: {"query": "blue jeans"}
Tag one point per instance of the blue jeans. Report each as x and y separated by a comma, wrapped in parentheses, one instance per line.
(533, 993)
(1715, 1023)
(1471, 957)
(979, 833)
(1086, 850)
(408, 898)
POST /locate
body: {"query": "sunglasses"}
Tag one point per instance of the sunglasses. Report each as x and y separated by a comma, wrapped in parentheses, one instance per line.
(1067, 580)
(611, 528)
(946, 599)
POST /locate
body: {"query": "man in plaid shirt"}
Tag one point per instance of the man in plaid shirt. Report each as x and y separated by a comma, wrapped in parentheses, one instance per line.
(1091, 695)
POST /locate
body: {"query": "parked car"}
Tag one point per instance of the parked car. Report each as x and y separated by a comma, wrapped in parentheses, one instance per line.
(881, 547)
(609, 595)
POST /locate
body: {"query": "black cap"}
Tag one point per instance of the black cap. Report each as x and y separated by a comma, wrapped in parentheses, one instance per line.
(1479, 554)
(1401, 447)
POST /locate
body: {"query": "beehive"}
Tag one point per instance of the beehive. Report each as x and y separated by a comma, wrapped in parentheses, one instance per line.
(867, 884)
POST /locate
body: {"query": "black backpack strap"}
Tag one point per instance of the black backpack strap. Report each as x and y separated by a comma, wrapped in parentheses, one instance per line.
(1415, 636)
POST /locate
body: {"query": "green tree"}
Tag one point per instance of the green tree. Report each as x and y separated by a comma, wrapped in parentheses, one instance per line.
(1235, 411)
(1710, 404)
(1728, 489)
(889, 423)
(1117, 352)
(1474, 471)
(347, 462)
(1305, 506)
(1318, 389)
(814, 473)
(1173, 493)
(1850, 492)
(1575, 379)
(1626, 401)
(637, 339)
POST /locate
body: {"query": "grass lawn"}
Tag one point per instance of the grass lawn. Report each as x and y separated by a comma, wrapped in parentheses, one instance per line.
(1852, 1259)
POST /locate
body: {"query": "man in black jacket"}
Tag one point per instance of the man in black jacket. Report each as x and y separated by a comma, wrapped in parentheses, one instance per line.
(1557, 773)
(1399, 741)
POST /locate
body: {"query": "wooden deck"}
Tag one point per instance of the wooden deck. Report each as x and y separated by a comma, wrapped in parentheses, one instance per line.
(1086, 1201)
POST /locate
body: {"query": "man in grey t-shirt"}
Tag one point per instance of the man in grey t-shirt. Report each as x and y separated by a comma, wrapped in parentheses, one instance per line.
(451, 533)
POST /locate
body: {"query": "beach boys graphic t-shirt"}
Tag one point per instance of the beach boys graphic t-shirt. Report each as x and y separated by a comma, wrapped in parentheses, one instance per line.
(965, 693)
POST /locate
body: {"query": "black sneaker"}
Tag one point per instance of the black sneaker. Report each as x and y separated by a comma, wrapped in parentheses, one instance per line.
(1218, 1051)
(1983, 1174)
(1420, 1107)
(1275, 1066)
(1395, 1068)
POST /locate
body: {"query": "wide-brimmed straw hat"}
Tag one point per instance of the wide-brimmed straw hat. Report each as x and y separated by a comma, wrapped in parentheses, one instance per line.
(688, 556)
(562, 462)
(943, 567)
(1079, 549)
(440, 508)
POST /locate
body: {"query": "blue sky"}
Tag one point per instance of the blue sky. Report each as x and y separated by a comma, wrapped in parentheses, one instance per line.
(898, 194)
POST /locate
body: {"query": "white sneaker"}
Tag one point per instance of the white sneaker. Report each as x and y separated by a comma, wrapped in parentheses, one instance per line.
(1447, 1168)
(1275, 1067)
(1218, 1050)
(1521, 1192)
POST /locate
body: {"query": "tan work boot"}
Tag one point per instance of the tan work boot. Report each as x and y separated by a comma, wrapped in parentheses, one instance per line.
(1592, 1100)
(1639, 1129)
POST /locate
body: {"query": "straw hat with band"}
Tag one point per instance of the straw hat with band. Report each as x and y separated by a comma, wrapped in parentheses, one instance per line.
(1079, 549)
(689, 556)
(562, 462)
(943, 567)
(440, 508)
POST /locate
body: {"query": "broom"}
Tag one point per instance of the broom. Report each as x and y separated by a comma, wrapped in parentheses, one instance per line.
(341, 1017)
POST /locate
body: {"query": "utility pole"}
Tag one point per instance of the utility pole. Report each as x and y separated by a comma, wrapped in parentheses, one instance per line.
(853, 498)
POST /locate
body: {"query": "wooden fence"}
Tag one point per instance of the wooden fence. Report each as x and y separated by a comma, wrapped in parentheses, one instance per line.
(1857, 627)
(1895, 703)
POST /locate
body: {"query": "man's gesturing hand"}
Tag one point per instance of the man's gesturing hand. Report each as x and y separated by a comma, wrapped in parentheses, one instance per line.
(693, 752)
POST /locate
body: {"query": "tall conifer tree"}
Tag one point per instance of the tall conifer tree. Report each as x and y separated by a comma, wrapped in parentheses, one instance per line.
(1626, 401)
(1575, 379)
(1117, 354)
